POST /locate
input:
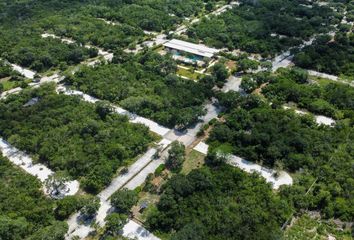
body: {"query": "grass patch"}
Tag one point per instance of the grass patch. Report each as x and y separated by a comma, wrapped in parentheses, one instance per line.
(151, 200)
(158, 48)
(324, 81)
(231, 65)
(321, 81)
(193, 160)
(9, 84)
(346, 78)
(189, 74)
(311, 228)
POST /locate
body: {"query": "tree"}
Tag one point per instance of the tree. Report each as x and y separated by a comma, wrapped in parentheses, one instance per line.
(220, 72)
(176, 156)
(191, 231)
(121, 57)
(216, 158)
(115, 223)
(189, 115)
(246, 64)
(56, 231)
(167, 66)
(298, 75)
(103, 108)
(75, 154)
(123, 200)
(248, 84)
(229, 100)
(13, 228)
(267, 65)
(278, 166)
(91, 207)
(192, 204)
(68, 205)
(24, 209)
(55, 185)
(209, 6)
(76, 56)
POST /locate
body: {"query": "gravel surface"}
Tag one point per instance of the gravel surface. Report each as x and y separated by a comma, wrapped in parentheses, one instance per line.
(283, 178)
(25, 72)
(38, 170)
(133, 230)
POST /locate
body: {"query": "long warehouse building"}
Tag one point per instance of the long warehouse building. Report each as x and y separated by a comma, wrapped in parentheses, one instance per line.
(187, 47)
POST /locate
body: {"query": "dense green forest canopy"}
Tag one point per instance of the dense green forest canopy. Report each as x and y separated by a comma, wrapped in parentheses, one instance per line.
(88, 30)
(335, 100)
(70, 135)
(146, 14)
(150, 15)
(21, 41)
(219, 203)
(27, 48)
(264, 26)
(333, 56)
(23, 22)
(146, 84)
(283, 139)
(140, 16)
(294, 86)
(89, 143)
(18, 12)
(25, 213)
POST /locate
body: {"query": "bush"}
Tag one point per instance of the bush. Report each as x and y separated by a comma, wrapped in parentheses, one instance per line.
(66, 207)
(90, 208)
(115, 223)
(160, 169)
(176, 156)
(124, 200)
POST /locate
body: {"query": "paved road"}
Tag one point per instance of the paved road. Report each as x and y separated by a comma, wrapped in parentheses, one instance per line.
(188, 136)
(137, 172)
(143, 166)
(135, 176)
(285, 59)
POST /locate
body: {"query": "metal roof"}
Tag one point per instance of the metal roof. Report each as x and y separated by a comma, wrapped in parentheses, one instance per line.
(196, 49)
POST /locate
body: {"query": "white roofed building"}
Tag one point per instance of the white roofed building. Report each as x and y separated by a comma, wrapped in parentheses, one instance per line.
(194, 52)
(196, 49)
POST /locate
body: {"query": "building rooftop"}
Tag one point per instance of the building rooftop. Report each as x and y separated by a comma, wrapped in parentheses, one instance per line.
(196, 49)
